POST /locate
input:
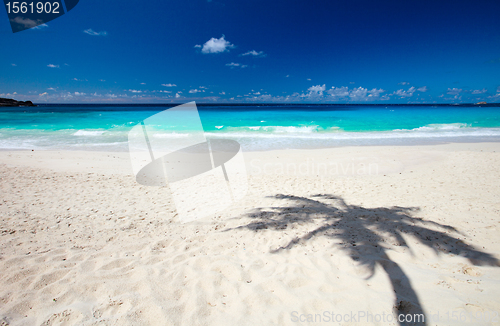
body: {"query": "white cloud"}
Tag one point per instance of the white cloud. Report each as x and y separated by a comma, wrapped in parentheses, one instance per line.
(8, 94)
(497, 95)
(135, 91)
(143, 83)
(479, 91)
(29, 23)
(194, 91)
(316, 90)
(216, 45)
(375, 92)
(267, 98)
(41, 26)
(177, 95)
(222, 93)
(80, 94)
(43, 94)
(169, 85)
(287, 76)
(93, 33)
(453, 91)
(404, 83)
(52, 66)
(356, 94)
(339, 91)
(13, 65)
(102, 80)
(76, 79)
(51, 89)
(359, 93)
(234, 65)
(403, 93)
(254, 54)
(309, 79)
(422, 89)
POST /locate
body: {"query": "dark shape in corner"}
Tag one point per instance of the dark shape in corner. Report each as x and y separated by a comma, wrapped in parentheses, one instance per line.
(70, 4)
(35, 13)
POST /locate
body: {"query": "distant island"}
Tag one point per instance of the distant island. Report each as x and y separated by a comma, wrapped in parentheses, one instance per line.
(11, 102)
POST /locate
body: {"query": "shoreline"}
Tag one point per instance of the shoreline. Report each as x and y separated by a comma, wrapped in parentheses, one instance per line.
(119, 162)
(388, 143)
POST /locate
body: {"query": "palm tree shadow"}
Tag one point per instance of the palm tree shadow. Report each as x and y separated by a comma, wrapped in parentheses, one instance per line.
(365, 235)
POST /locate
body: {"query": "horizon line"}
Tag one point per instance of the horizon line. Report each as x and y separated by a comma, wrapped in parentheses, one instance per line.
(272, 104)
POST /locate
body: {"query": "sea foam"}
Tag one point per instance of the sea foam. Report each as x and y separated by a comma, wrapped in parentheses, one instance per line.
(89, 133)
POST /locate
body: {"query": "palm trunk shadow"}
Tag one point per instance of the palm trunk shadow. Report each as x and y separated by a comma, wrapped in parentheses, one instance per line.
(406, 302)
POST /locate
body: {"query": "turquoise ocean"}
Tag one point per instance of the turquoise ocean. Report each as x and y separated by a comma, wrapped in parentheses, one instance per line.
(255, 127)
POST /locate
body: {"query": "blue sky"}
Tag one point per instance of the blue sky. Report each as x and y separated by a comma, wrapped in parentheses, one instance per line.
(257, 51)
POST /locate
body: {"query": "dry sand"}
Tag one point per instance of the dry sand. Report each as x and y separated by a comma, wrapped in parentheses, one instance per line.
(81, 243)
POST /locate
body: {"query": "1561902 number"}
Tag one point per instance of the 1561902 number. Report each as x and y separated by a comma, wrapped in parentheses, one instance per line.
(32, 7)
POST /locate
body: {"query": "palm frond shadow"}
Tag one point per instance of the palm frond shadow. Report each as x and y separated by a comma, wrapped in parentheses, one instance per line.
(365, 235)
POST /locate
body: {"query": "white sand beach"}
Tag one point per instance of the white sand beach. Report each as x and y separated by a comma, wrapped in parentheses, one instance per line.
(376, 231)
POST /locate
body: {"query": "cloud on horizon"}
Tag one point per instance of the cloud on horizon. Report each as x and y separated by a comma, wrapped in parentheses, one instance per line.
(479, 91)
(453, 91)
(316, 90)
(363, 94)
(320, 94)
(403, 93)
(339, 92)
